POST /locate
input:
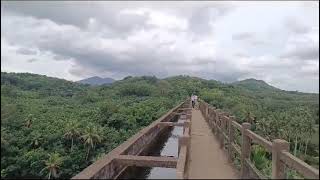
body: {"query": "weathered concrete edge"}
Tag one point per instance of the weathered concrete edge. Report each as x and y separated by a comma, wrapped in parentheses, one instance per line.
(182, 162)
(147, 161)
(184, 146)
(94, 168)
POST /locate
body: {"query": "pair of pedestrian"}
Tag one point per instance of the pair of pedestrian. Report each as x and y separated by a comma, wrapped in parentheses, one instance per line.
(194, 99)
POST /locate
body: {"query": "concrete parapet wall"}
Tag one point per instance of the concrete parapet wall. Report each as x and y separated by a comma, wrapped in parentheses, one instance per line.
(108, 168)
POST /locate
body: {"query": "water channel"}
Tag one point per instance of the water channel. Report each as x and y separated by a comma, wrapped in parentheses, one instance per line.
(166, 145)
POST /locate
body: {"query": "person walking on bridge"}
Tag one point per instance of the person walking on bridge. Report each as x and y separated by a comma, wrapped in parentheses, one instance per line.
(193, 100)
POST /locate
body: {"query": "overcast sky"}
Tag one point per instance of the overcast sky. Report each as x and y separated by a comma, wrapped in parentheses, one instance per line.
(277, 42)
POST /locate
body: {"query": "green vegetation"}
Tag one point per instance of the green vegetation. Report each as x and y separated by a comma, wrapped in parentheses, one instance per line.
(55, 128)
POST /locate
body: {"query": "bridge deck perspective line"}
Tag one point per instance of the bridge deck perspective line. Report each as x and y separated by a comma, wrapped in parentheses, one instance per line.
(206, 159)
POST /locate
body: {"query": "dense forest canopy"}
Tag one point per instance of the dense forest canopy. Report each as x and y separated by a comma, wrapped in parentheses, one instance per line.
(55, 128)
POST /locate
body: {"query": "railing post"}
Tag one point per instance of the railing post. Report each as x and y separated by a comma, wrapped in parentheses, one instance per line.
(224, 122)
(207, 112)
(278, 167)
(245, 150)
(202, 106)
(223, 130)
(231, 138)
(209, 117)
(214, 119)
(218, 132)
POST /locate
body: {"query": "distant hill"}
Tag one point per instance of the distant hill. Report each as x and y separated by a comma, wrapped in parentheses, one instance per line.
(255, 85)
(95, 80)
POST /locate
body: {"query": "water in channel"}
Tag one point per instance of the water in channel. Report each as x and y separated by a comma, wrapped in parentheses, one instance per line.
(167, 145)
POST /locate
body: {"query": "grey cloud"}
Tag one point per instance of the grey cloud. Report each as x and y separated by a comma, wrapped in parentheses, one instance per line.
(59, 57)
(250, 38)
(309, 73)
(302, 44)
(26, 51)
(202, 61)
(219, 67)
(48, 10)
(243, 36)
(199, 21)
(79, 14)
(226, 77)
(109, 18)
(241, 55)
(105, 60)
(259, 42)
(222, 70)
(94, 48)
(32, 60)
(74, 44)
(201, 17)
(76, 71)
(299, 83)
(90, 58)
(165, 44)
(296, 27)
(307, 52)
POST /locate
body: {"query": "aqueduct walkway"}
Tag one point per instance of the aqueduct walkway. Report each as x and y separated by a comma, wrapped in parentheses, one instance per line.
(207, 148)
(207, 160)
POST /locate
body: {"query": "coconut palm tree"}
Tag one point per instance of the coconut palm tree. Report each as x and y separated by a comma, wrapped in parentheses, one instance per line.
(308, 131)
(4, 144)
(72, 132)
(29, 120)
(52, 165)
(163, 87)
(35, 139)
(91, 137)
(35, 142)
(299, 117)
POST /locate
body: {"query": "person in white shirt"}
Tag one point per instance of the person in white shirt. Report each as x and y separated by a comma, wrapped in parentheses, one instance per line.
(193, 100)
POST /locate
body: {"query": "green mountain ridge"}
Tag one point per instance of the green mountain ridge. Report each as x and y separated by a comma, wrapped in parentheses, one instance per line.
(96, 80)
(249, 84)
(255, 85)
